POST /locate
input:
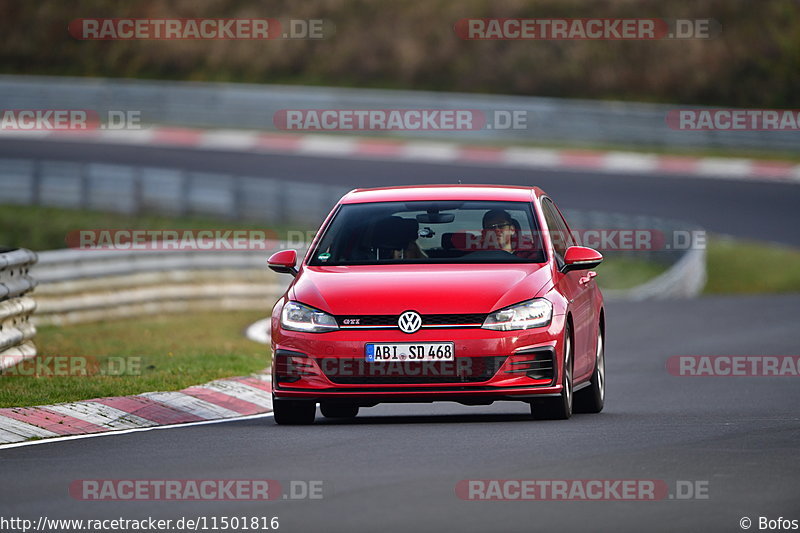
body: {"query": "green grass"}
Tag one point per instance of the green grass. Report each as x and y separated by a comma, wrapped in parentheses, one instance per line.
(733, 266)
(625, 273)
(175, 351)
(748, 267)
(46, 228)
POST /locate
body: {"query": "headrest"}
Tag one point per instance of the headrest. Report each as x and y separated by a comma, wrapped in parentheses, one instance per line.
(394, 232)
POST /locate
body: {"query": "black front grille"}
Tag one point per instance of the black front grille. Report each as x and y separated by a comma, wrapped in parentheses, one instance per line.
(440, 320)
(361, 372)
(427, 320)
(537, 364)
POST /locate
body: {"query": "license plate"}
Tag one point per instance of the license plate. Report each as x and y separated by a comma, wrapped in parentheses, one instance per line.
(407, 351)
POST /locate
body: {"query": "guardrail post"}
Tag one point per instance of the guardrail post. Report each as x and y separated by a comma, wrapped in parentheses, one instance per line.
(16, 329)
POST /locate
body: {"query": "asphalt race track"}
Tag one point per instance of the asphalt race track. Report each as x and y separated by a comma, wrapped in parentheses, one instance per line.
(760, 210)
(395, 468)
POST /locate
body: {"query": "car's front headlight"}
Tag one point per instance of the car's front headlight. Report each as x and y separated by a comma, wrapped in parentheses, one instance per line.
(298, 317)
(524, 315)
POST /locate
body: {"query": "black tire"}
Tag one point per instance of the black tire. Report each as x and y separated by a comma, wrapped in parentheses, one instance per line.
(294, 412)
(558, 408)
(592, 398)
(338, 410)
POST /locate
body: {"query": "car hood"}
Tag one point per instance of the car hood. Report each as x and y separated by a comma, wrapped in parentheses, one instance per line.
(427, 289)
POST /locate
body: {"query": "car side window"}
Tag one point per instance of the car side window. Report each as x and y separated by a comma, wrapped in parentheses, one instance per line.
(567, 233)
(557, 229)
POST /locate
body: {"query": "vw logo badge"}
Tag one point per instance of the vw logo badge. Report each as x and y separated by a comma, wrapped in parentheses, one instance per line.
(409, 322)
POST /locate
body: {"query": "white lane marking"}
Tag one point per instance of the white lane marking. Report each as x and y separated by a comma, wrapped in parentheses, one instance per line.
(127, 431)
(241, 391)
(37, 134)
(532, 157)
(190, 404)
(321, 144)
(795, 175)
(143, 136)
(262, 377)
(430, 151)
(629, 162)
(101, 415)
(259, 331)
(724, 168)
(229, 139)
(420, 150)
(23, 429)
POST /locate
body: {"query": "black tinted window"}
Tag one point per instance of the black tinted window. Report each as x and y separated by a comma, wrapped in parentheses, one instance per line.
(557, 228)
(430, 232)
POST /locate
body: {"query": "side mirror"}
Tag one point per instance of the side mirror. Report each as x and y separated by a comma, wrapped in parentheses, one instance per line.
(581, 258)
(283, 262)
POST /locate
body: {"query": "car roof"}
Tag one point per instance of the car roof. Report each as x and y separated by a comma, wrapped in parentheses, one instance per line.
(508, 193)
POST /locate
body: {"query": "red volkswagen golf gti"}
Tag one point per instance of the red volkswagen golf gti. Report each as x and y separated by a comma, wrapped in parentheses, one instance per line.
(470, 294)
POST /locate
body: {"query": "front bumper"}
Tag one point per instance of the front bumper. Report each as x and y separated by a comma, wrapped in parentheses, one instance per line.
(489, 365)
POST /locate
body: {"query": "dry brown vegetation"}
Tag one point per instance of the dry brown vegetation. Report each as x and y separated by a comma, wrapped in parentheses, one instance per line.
(411, 44)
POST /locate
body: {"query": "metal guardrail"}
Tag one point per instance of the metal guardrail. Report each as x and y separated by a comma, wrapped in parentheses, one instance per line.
(685, 276)
(220, 105)
(16, 330)
(134, 189)
(81, 285)
(86, 285)
(131, 189)
(662, 230)
(684, 279)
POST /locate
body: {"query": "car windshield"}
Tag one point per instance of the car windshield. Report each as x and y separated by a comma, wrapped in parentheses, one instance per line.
(430, 232)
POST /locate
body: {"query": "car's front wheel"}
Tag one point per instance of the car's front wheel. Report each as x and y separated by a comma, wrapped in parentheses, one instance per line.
(560, 407)
(592, 398)
(293, 412)
(338, 410)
